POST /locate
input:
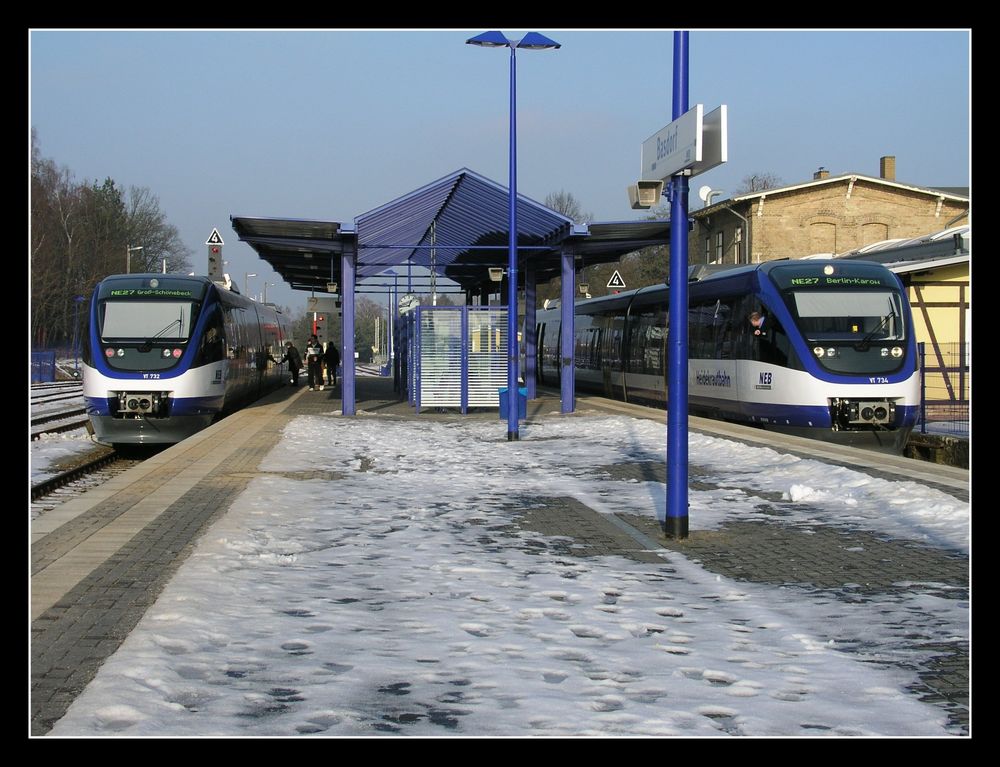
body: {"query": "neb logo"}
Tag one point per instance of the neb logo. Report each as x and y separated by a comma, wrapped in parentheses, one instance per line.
(765, 378)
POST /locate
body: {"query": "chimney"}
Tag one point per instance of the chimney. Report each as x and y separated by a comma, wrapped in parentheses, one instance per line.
(821, 173)
(887, 168)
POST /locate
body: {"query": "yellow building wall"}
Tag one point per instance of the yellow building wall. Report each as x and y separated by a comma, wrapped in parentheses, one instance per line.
(941, 300)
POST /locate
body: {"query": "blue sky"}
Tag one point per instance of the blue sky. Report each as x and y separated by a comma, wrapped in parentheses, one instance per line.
(331, 124)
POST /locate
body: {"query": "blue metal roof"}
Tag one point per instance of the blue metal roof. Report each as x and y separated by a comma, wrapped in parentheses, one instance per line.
(460, 219)
(458, 223)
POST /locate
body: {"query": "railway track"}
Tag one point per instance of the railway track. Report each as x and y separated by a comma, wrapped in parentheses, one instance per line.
(57, 408)
(89, 472)
(65, 420)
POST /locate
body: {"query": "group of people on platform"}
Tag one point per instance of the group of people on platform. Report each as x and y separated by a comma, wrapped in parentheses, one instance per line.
(316, 360)
(319, 360)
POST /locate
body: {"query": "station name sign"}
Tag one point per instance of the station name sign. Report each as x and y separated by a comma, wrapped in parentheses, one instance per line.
(694, 142)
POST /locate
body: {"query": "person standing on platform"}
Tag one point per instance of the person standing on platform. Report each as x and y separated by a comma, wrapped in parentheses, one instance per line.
(314, 363)
(294, 360)
(332, 359)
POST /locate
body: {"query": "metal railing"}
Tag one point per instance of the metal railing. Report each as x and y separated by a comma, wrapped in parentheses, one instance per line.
(48, 365)
(944, 388)
(43, 367)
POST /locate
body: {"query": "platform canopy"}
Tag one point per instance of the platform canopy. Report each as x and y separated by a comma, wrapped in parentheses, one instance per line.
(458, 225)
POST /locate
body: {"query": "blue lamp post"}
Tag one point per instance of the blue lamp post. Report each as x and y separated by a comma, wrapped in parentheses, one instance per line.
(531, 41)
(76, 334)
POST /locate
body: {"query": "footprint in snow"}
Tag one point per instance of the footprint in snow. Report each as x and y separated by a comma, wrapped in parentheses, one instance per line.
(476, 629)
(607, 703)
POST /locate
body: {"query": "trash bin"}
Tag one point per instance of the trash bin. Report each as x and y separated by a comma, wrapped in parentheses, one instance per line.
(522, 403)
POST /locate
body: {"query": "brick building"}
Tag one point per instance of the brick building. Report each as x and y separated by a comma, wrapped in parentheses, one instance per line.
(830, 214)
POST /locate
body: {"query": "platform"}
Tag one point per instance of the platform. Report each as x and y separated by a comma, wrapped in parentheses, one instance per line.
(99, 562)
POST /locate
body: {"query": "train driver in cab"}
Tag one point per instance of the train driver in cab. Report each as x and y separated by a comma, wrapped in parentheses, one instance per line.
(757, 322)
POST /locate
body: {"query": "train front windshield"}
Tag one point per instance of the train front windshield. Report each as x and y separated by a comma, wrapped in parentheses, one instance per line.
(146, 320)
(852, 316)
(849, 316)
(146, 323)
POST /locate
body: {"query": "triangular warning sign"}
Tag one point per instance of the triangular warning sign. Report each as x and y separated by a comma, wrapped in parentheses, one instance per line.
(214, 238)
(616, 281)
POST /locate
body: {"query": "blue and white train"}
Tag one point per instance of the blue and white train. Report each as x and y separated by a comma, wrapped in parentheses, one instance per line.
(835, 358)
(166, 355)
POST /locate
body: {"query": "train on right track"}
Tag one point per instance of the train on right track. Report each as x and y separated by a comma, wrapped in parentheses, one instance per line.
(835, 358)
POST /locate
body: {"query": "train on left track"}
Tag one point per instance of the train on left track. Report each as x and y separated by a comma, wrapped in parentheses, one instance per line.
(166, 355)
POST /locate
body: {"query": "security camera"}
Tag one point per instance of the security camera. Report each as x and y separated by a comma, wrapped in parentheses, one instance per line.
(645, 194)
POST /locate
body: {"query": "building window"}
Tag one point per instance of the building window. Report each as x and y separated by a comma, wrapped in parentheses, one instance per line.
(708, 250)
(718, 248)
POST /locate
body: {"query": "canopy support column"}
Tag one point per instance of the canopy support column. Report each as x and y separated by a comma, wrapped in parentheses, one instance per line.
(348, 263)
(567, 372)
(530, 329)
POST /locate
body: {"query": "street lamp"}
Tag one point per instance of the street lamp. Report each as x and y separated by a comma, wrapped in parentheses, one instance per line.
(246, 282)
(76, 334)
(129, 250)
(531, 41)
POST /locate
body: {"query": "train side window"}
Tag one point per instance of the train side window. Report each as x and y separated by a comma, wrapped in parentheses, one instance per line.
(773, 347)
(701, 330)
(723, 330)
(213, 342)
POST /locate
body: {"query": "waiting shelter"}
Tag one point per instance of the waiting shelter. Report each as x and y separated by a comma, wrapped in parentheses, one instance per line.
(456, 227)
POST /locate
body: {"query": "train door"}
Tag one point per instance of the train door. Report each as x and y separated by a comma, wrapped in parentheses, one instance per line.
(612, 356)
(646, 360)
(539, 353)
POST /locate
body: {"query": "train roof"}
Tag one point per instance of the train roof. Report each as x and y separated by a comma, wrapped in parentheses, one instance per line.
(713, 274)
(227, 290)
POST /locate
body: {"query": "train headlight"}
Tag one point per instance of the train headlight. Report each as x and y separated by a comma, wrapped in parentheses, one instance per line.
(885, 352)
(166, 352)
(120, 352)
(897, 351)
(831, 352)
(819, 351)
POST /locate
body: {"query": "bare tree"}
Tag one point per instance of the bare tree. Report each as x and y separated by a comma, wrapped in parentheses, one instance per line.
(565, 203)
(55, 220)
(79, 234)
(146, 225)
(758, 182)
